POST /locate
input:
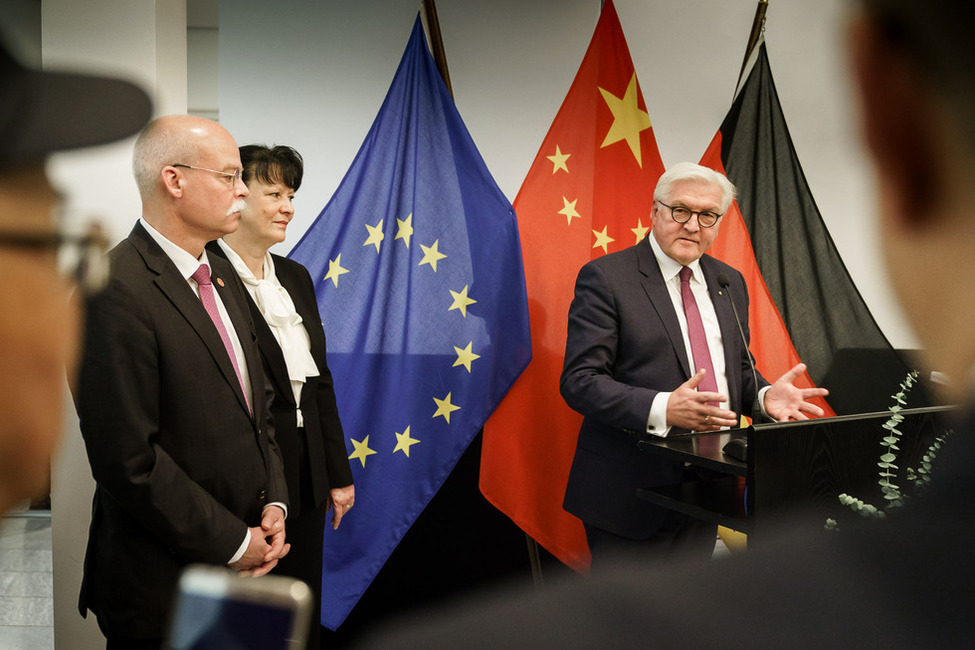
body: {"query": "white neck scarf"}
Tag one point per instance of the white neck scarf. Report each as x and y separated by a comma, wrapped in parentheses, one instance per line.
(278, 309)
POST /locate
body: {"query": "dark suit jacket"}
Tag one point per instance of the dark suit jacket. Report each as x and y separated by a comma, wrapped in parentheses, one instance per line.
(182, 469)
(324, 459)
(624, 345)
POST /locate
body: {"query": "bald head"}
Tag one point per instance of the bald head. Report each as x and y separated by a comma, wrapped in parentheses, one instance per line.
(168, 140)
(188, 172)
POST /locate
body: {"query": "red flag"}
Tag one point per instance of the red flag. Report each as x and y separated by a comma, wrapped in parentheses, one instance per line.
(588, 192)
(770, 342)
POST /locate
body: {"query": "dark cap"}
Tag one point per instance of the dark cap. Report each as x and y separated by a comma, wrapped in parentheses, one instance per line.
(42, 111)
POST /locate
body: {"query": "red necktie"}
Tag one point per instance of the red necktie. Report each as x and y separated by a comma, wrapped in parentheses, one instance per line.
(695, 331)
(202, 277)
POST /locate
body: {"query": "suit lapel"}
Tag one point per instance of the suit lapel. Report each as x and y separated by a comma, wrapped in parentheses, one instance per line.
(308, 310)
(223, 276)
(176, 289)
(656, 289)
(273, 357)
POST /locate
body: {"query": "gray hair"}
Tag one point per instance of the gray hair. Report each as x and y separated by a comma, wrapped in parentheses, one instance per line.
(688, 171)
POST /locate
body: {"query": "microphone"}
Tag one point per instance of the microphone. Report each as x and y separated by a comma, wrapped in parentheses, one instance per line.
(756, 407)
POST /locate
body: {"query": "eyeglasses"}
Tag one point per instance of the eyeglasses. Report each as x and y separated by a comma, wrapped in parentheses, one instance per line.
(234, 175)
(81, 257)
(705, 219)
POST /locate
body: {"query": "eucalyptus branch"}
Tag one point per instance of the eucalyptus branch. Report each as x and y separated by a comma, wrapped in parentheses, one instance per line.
(921, 477)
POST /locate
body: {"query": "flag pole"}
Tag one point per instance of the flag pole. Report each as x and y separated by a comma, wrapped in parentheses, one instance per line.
(758, 25)
(436, 41)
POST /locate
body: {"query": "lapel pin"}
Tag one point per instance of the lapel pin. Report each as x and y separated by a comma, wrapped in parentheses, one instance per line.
(220, 281)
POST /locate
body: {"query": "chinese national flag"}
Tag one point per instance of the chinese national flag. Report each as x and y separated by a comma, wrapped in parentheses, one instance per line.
(770, 343)
(588, 193)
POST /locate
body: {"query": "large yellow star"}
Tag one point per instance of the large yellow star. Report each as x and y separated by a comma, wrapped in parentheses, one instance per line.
(335, 270)
(404, 442)
(558, 160)
(465, 356)
(361, 450)
(375, 235)
(431, 255)
(640, 231)
(404, 229)
(445, 408)
(461, 301)
(603, 239)
(569, 210)
(628, 120)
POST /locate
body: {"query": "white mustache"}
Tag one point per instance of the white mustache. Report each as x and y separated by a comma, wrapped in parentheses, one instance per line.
(237, 206)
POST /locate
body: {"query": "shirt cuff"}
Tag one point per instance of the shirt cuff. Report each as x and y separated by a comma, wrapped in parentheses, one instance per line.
(761, 403)
(243, 548)
(657, 420)
(247, 537)
(280, 505)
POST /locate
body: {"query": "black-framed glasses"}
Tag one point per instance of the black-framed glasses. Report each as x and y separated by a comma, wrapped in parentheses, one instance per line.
(80, 256)
(234, 174)
(705, 219)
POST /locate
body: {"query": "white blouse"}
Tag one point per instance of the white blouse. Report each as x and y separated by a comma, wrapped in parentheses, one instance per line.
(275, 304)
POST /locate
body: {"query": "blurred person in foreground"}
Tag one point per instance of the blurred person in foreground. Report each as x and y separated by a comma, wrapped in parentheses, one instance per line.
(171, 395)
(42, 112)
(903, 582)
(292, 342)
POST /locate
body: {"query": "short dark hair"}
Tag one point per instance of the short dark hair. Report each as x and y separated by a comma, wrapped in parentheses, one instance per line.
(278, 164)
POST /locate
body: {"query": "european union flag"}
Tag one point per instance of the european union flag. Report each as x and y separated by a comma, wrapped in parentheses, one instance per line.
(422, 293)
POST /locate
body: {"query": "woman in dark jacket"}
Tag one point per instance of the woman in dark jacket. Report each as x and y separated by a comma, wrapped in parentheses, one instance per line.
(292, 343)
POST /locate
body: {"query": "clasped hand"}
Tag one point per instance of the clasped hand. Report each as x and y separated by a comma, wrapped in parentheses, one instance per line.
(266, 545)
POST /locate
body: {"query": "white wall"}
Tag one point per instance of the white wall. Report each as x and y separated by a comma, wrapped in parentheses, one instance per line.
(313, 75)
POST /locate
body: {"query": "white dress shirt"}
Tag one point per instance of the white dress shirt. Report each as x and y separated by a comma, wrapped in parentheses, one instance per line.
(670, 269)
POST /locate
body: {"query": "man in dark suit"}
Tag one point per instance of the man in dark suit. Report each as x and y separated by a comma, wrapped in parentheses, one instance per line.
(634, 366)
(171, 395)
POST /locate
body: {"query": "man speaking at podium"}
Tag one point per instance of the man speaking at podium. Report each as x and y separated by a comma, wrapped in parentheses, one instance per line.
(654, 347)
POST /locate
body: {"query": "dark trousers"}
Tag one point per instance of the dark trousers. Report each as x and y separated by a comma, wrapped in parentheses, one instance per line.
(115, 642)
(304, 531)
(680, 536)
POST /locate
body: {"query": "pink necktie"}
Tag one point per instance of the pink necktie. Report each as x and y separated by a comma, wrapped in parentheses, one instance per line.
(695, 331)
(202, 277)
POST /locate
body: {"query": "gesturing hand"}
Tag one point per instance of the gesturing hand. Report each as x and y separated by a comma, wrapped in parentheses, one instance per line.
(688, 408)
(784, 401)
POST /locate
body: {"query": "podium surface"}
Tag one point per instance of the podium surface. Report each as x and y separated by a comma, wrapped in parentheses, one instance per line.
(794, 469)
